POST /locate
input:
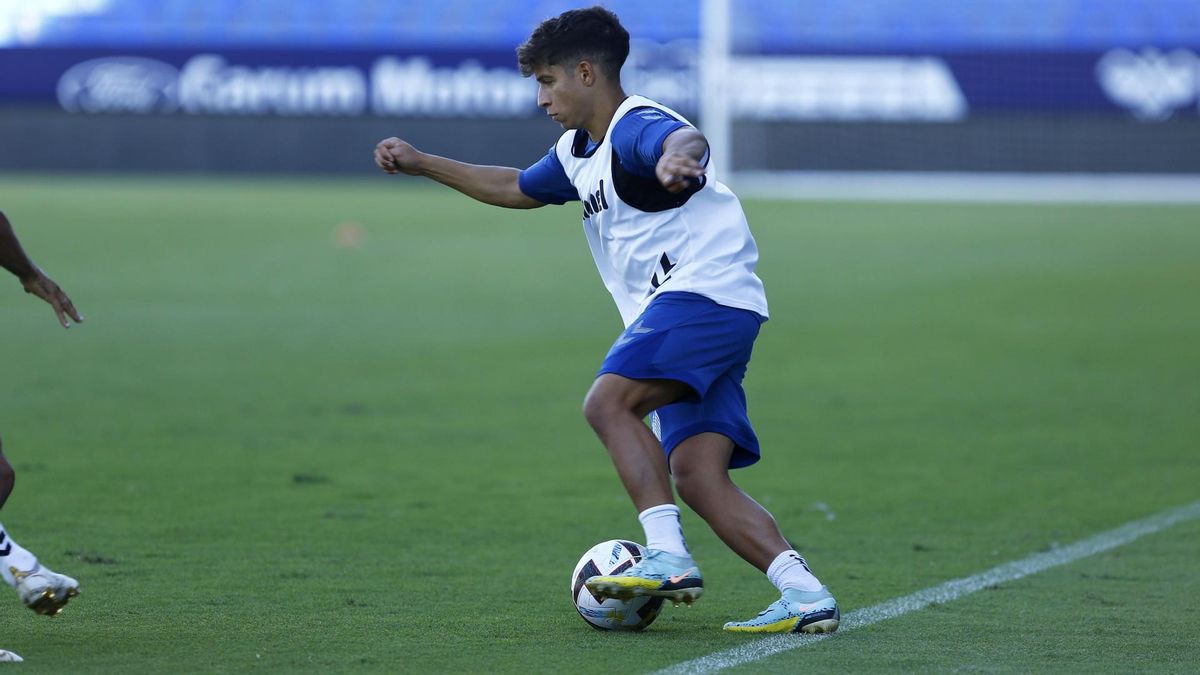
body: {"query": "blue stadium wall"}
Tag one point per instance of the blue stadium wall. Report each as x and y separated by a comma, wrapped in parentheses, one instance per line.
(46, 139)
(309, 86)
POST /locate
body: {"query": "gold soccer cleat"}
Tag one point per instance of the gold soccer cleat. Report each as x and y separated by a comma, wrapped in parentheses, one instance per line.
(43, 590)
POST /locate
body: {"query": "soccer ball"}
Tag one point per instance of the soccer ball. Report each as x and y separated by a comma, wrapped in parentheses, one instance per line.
(612, 557)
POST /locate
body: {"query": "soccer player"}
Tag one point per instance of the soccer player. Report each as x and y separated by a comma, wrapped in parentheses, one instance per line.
(42, 590)
(673, 247)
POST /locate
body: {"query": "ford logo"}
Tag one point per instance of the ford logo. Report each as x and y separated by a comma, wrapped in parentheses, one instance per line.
(119, 84)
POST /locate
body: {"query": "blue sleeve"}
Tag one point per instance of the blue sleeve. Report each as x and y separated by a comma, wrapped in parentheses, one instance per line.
(638, 139)
(547, 181)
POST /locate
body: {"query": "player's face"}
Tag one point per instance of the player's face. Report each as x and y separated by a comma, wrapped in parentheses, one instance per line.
(561, 94)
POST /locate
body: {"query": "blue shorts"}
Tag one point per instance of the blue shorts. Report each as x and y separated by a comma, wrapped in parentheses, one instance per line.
(688, 338)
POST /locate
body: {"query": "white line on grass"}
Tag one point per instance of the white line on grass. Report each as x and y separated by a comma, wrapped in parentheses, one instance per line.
(951, 590)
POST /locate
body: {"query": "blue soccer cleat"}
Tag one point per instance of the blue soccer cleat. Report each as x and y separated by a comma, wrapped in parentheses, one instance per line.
(659, 574)
(796, 612)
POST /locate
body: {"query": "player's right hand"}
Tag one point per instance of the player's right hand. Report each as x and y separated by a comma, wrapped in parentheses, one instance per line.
(677, 170)
(396, 156)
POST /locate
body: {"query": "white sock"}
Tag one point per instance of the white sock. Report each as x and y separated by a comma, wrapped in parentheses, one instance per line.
(791, 571)
(13, 555)
(663, 531)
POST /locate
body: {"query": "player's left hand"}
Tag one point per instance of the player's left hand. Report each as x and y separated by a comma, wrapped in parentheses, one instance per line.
(45, 288)
(677, 170)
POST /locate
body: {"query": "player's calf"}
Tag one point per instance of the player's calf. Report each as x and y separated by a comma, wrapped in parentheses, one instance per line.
(8, 477)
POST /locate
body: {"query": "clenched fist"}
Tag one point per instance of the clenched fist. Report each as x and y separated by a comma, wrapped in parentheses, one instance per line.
(396, 156)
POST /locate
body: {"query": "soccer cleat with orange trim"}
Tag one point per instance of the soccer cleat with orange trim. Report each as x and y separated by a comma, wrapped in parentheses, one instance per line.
(659, 574)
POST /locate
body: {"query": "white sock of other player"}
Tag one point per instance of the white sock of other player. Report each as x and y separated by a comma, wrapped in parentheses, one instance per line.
(663, 531)
(13, 555)
(791, 571)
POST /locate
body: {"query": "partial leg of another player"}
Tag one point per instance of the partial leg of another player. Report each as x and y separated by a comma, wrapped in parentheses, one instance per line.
(700, 466)
(40, 588)
(615, 407)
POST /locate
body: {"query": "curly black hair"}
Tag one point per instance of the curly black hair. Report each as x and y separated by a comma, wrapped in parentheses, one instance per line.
(593, 34)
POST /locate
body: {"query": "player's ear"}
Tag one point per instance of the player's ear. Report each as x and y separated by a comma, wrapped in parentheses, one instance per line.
(586, 73)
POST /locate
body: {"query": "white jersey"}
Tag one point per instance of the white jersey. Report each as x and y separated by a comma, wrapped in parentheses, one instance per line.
(647, 241)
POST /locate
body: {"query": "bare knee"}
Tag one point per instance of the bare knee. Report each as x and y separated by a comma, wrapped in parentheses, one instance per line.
(613, 396)
(698, 485)
(599, 408)
(608, 399)
(689, 488)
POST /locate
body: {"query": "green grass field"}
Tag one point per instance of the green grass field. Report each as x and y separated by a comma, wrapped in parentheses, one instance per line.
(264, 451)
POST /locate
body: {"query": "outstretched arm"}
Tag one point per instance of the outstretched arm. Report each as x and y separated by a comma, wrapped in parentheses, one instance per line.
(685, 154)
(496, 185)
(12, 256)
(14, 259)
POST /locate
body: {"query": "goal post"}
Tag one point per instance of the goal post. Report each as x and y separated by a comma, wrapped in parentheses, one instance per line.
(714, 66)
